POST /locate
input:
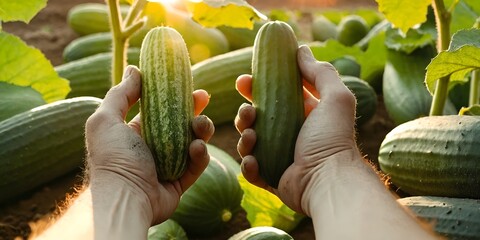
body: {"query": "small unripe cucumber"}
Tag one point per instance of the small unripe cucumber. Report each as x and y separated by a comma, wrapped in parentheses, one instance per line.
(166, 103)
(278, 98)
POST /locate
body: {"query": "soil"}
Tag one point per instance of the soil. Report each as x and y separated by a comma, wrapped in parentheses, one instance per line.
(49, 32)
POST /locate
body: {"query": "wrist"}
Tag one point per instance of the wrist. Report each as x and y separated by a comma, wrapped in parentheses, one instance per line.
(120, 193)
(342, 171)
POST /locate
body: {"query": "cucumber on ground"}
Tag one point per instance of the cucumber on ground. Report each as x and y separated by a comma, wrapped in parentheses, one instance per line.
(454, 218)
(436, 155)
(42, 144)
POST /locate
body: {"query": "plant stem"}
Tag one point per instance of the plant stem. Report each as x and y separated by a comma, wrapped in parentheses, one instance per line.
(134, 12)
(474, 84)
(475, 81)
(118, 42)
(442, 20)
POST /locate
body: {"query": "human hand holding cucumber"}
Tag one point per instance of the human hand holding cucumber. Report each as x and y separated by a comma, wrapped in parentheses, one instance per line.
(329, 180)
(123, 196)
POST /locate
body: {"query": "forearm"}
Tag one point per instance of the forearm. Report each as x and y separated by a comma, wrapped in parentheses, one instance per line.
(356, 205)
(107, 209)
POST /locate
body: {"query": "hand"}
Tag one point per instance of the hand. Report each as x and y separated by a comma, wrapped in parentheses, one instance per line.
(325, 139)
(116, 151)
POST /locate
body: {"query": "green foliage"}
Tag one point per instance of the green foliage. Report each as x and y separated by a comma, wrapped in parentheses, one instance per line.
(408, 43)
(372, 60)
(464, 13)
(404, 14)
(265, 209)
(472, 110)
(20, 10)
(233, 13)
(461, 58)
(16, 99)
(23, 65)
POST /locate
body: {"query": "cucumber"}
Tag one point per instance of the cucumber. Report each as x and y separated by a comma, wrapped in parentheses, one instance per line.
(15, 99)
(454, 218)
(88, 18)
(405, 95)
(168, 230)
(211, 202)
(366, 98)
(217, 76)
(87, 46)
(277, 95)
(90, 76)
(261, 233)
(166, 104)
(42, 144)
(436, 155)
(202, 43)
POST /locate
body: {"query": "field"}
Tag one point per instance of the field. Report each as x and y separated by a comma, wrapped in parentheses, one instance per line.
(49, 32)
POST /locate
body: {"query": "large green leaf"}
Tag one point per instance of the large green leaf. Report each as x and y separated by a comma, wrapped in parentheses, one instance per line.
(404, 14)
(233, 13)
(18, 10)
(372, 60)
(23, 65)
(464, 14)
(461, 58)
(16, 99)
(265, 209)
(408, 43)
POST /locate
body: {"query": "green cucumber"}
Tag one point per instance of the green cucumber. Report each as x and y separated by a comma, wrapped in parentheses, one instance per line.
(261, 233)
(87, 46)
(211, 202)
(88, 18)
(166, 104)
(454, 218)
(168, 230)
(366, 98)
(404, 92)
(90, 76)
(217, 76)
(15, 99)
(42, 144)
(436, 155)
(278, 98)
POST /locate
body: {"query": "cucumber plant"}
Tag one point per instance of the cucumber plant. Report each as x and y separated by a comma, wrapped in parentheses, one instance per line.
(435, 154)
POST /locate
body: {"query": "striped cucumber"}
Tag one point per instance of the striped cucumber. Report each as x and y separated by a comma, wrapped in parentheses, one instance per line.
(166, 103)
(278, 99)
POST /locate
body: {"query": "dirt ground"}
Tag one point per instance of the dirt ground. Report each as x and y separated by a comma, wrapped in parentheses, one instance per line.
(49, 32)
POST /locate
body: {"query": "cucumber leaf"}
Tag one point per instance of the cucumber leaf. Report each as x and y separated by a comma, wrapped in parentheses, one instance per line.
(461, 58)
(464, 13)
(23, 65)
(265, 209)
(20, 10)
(371, 61)
(414, 39)
(472, 111)
(232, 13)
(16, 99)
(404, 14)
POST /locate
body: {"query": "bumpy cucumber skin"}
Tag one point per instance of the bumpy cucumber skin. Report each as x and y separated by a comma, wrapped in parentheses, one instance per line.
(278, 99)
(166, 103)
(436, 155)
(41, 144)
(455, 218)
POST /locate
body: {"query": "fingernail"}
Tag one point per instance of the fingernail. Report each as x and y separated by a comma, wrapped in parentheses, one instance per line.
(305, 53)
(128, 72)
